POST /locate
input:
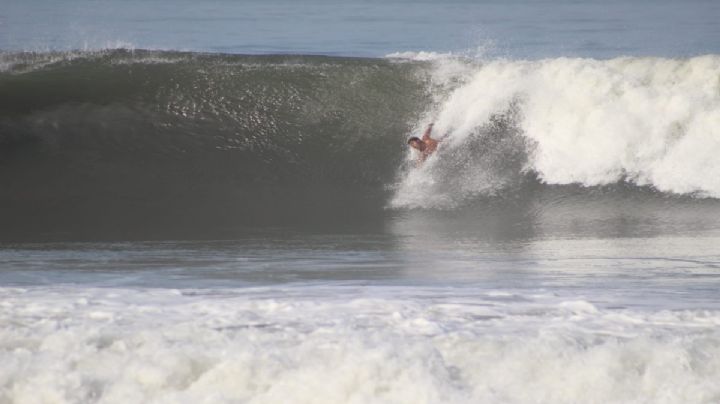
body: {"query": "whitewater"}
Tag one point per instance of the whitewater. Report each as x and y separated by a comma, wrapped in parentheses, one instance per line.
(384, 345)
(649, 121)
(347, 319)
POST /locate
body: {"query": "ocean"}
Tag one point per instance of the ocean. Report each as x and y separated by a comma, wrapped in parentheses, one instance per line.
(214, 201)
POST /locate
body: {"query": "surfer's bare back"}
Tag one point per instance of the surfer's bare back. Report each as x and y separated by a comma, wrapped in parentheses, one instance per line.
(426, 146)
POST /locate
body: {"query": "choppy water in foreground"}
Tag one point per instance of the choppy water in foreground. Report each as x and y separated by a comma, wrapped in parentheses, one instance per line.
(362, 318)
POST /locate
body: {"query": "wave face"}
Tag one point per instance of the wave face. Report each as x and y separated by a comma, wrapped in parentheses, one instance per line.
(122, 139)
(134, 141)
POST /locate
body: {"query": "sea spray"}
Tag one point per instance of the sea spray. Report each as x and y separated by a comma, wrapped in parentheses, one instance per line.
(649, 121)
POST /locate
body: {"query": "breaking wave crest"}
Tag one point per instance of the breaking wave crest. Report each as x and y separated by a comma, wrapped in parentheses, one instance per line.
(647, 121)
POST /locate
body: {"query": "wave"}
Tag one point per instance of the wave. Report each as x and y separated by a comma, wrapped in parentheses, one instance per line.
(130, 140)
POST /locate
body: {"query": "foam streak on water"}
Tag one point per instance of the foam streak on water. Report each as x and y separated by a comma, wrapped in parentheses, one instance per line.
(348, 344)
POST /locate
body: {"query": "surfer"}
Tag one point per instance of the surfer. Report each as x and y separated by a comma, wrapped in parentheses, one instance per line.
(427, 145)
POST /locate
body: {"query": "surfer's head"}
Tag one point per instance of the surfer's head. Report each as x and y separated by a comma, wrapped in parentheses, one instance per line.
(416, 143)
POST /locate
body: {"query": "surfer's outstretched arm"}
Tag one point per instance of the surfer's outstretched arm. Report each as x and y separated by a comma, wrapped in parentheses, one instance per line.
(426, 135)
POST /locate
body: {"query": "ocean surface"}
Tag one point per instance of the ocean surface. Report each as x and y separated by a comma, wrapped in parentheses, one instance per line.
(214, 202)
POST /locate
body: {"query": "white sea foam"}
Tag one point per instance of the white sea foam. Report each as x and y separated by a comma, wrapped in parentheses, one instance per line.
(651, 121)
(347, 345)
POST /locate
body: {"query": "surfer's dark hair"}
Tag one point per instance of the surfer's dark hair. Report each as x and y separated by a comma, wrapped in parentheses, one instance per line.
(413, 139)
